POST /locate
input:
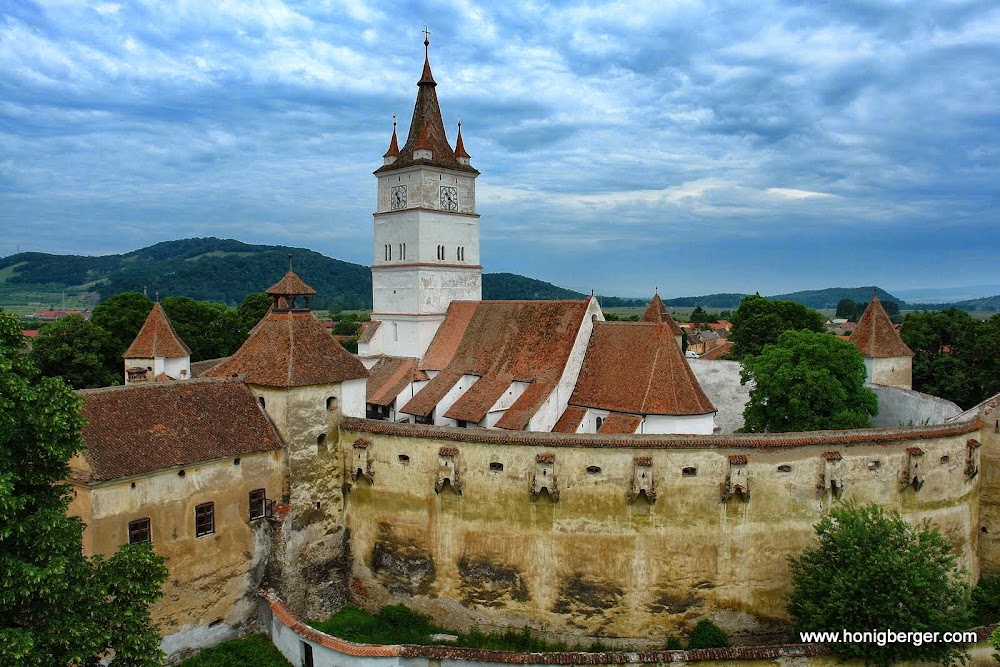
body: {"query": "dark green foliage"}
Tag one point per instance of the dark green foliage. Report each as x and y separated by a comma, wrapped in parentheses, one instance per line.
(871, 570)
(673, 644)
(807, 381)
(512, 286)
(832, 296)
(954, 355)
(252, 310)
(256, 650)
(848, 309)
(400, 625)
(122, 316)
(708, 635)
(725, 300)
(759, 321)
(56, 606)
(986, 600)
(699, 316)
(211, 330)
(77, 350)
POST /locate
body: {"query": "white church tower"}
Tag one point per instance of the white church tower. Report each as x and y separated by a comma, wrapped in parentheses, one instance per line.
(426, 231)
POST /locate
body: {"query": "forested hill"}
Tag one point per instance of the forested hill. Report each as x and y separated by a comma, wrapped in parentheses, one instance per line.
(225, 270)
(831, 296)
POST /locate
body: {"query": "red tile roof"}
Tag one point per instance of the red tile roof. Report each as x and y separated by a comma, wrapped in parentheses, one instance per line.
(657, 312)
(618, 423)
(833, 456)
(460, 145)
(644, 461)
(914, 451)
(427, 131)
(738, 459)
(199, 368)
(389, 377)
(717, 353)
(500, 341)
(290, 285)
(157, 338)
(141, 428)
(368, 330)
(393, 144)
(570, 419)
(448, 451)
(637, 368)
(545, 457)
(875, 335)
(30, 333)
(290, 349)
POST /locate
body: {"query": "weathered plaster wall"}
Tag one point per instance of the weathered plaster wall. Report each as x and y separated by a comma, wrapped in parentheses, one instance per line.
(905, 407)
(593, 563)
(213, 578)
(989, 538)
(309, 561)
(720, 380)
(891, 371)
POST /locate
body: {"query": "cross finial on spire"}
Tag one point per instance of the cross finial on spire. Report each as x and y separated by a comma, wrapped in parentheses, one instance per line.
(427, 41)
(157, 296)
(289, 262)
(394, 123)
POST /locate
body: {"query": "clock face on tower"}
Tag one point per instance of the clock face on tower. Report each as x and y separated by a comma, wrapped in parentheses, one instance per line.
(397, 197)
(449, 198)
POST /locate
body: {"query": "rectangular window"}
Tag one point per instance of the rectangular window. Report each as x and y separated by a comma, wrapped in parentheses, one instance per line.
(258, 504)
(204, 519)
(138, 531)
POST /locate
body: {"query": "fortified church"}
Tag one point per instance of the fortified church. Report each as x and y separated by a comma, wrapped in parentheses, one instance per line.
(492, 463)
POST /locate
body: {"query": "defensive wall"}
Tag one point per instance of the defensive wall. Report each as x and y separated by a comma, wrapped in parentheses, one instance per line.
(304, 645)
(631, 536)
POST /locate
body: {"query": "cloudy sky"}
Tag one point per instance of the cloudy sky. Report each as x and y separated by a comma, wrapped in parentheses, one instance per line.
(697, 147)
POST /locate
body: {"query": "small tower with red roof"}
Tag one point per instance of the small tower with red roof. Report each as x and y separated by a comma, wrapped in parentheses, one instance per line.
(888, 360)
(157, 353)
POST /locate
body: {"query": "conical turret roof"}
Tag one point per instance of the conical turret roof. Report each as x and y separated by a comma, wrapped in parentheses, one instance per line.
(157, 338)
(876, 337)
(657, 312)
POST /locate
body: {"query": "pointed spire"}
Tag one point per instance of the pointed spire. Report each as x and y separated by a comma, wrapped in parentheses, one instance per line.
(460, 152)
(393, 151)
(426, 77)
(288, 289)
(657, 312)
(157, 338)
(876, 337)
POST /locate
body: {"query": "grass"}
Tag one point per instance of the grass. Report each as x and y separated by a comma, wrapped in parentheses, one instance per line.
(254, 650)
(399, 625)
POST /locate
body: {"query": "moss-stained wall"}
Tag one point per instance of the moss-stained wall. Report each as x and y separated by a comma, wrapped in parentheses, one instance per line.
(309, 562)
(593, 563)
(214, 578)
(989, 465)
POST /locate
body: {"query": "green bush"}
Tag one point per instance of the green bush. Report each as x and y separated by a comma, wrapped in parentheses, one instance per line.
(673, 644)
(256, 650)
(708, 635)
(986, 600)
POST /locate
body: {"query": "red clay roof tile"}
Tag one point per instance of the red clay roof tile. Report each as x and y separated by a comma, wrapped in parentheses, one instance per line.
(738, 459)
(157, 338)
(570, 419)
(545, 457)
(368, 330)
(141, 428)
(290, 349)
(637, 368)
(431, 394)
(657, 313)
(717, 353)
(473, 405)
(448, 451)
(875, 335)
(389, 377)
(618, 423)
(833, 456)
(644, 461)
(290, 285)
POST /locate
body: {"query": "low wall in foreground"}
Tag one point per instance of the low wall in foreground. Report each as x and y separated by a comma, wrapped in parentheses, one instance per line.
(304, 645)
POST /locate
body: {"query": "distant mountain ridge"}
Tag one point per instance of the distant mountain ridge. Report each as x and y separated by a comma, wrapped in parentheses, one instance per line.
(226, 270)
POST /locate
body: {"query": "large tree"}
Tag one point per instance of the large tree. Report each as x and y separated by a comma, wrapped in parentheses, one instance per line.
(122, 316)
(56, 606)
(210, 329)
(870, 570)
(807, 381)
(759, 321)
(77, 350)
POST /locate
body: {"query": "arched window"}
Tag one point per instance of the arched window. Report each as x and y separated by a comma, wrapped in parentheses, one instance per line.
(600, 422)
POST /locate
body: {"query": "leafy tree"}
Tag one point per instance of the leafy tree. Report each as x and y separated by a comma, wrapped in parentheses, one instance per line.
(871, 570)
(707, 634)
(954, 355)
(210, 329)
(807, 381)
(122, 316)
(56, 606)
(759, 321)
(78, 351)
(698, 315)
(847, 309)
(252, 310)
